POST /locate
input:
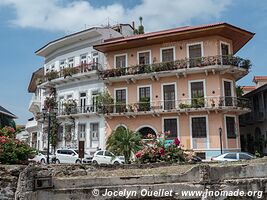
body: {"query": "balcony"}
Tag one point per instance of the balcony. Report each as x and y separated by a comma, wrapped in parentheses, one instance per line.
(208, 104)
(35, 105)
(78, 73)
(78, 111)
(181, 67)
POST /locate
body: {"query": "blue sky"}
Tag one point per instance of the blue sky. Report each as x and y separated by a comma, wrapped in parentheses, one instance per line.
(27, 25)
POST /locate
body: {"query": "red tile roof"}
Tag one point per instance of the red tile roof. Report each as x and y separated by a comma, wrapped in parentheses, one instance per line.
(259, 78)
(248, 88)
(168, 31)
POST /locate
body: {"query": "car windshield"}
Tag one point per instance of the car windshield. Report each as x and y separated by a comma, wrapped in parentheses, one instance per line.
(76, 151)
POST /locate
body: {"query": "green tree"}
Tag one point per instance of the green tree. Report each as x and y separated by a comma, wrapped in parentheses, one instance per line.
(239, 91)
(124, 141)
(7, 121)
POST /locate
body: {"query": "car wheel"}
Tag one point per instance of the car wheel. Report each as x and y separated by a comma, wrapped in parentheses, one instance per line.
(116, 163)
(57, 161)
(95, 162)
(42, 161)
(78, 162)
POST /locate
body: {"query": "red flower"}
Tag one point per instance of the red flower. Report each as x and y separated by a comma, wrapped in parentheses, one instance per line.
(176, 141)
(138, 154)
(162, 151)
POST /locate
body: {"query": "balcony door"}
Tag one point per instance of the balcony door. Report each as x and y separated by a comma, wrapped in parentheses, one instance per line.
(144, 98)
(120, 100)
(225, 52)
(169, 96)
(195, 54)
(228, 93)
(197, 94)
(95, 99)
(83, 100)
(144, 58)
(95, 59)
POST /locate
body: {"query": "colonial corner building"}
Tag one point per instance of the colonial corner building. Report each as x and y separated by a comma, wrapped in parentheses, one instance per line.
(180, 80)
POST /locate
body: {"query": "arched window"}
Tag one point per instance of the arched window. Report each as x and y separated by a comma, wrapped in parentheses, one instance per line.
(145, 131)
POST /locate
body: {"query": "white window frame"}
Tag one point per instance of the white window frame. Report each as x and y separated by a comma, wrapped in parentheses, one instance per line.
(148, 126)
(207, 128)
(194, 81)
(225, 131)
(232, 88)
(226, 43)
(118, 125)
(123, 88)
(86, 58)
(192, 44)
(176, 93)
(118, 55)
(62, 66)
(142, 86)
(94, 122)
(165, 48)
(84, 134)
(178, 125)
(145, 51)
(73, 58)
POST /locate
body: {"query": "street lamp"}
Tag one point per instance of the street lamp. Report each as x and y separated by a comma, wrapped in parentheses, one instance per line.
(220, 131)
(48, 114)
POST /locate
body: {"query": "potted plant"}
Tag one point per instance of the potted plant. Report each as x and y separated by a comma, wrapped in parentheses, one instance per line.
(70, 106)
(69, 71)
(144, 104)
(51, 75)
(105, 102)
(184, 105)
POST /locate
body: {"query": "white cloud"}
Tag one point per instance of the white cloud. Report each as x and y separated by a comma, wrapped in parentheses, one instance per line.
(63, 15)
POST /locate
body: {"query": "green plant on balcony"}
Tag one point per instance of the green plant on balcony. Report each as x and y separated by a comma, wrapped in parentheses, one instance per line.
(120, 107)
(51, 75)
(105, 102)
(246, 64)
(69, 71)
(184, 105)
(50, 103)
(198, 102)
(144, 104)
(70, 106)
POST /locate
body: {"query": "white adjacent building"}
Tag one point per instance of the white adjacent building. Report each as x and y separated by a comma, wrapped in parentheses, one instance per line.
(70, 67)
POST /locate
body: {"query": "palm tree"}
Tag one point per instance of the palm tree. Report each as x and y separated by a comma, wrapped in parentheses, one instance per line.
(124, 141)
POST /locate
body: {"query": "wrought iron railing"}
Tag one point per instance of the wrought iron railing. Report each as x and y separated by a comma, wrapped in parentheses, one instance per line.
(70, 110)
(178, 64)
(159, 106)
(69, 71)
(170, 105)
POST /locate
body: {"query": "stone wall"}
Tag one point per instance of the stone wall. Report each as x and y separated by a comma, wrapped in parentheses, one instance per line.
(9, 175)
(78, 182)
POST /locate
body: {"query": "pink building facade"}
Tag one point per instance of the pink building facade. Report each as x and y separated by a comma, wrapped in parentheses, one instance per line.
(180, 80)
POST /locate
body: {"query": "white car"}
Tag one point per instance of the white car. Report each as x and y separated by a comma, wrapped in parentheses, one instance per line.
(39, 158)
(71, 156)
(233, 156)
(106, 157)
